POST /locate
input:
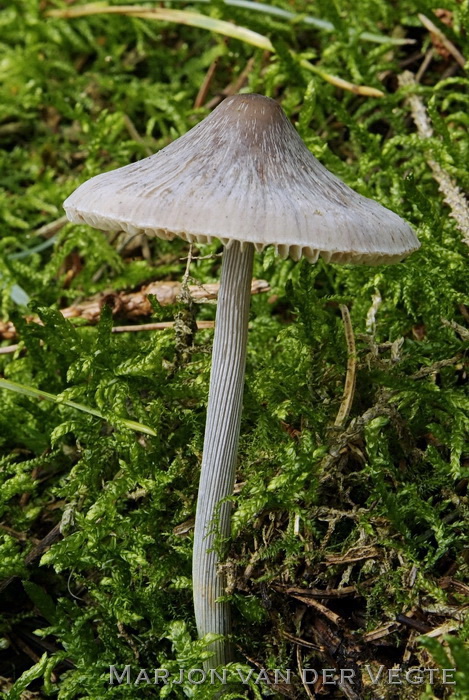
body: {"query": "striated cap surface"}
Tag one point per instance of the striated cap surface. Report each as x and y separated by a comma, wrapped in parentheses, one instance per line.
(244, 174)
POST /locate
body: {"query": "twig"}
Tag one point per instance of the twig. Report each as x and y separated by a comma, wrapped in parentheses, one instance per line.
(235, 86)
(436, 366)
(424, 65)
(381, 631)
(204, 88)
(36, 552)
(302, 675)
(445, 628)
(26, 649)
(464, 311)
(185, 293)
(50, 229)
(129, 639)
(460, 330)
(161, 325)
(418, 625)
(353, 555)
(349, 388)
(7, 349)
(302, 642)
(457, 55)
(326, 593)
(452, 195)
(351, 433)
(311, 602)
(21, 536)
(132, 305)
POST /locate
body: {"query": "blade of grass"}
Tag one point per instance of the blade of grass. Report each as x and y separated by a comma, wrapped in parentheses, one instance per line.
(323, 24)
(194, 19)
(17, 293)
(35, 249)
(38, 394)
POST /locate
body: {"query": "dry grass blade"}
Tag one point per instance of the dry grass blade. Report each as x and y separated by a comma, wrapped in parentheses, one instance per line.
(195, 19)
(192, 19)
(349, 388)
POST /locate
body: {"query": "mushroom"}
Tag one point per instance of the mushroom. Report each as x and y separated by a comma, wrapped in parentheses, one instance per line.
(243, 176)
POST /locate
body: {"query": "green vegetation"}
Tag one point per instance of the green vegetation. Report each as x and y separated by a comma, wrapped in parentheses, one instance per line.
(95, 522)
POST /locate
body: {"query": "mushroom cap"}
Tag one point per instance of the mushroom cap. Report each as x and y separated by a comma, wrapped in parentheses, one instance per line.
(244, 174)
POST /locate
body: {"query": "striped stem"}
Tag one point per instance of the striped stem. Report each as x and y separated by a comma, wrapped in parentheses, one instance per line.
(221, 445)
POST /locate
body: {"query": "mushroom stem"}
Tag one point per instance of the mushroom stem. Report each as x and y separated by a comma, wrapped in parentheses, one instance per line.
(220, 445)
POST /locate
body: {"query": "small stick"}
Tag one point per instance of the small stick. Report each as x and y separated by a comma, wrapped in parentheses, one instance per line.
(452, 195)
(204, 88)
(302, 642)
(302, 675)
(235, 86)
(311, 602)
(326, 593)
(418, 625)
(158, 326)
(445, 628)
(25, 648)
(132, 305)
(433, 29)
(37, 551)
(463, 332)
(53, 227)
(424, 65)
(436, 366)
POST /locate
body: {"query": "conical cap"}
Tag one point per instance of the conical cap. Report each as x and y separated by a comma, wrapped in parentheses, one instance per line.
(244, 174)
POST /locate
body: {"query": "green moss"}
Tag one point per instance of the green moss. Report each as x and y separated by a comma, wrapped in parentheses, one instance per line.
(377, 508)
